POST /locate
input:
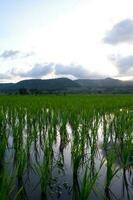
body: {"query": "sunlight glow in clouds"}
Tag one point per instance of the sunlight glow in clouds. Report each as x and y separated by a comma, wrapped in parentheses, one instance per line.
(68, 34)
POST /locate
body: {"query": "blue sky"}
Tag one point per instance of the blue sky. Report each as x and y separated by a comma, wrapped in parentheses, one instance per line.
(71, 38)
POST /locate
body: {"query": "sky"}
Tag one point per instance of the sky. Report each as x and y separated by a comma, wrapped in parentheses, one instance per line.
(66, 38)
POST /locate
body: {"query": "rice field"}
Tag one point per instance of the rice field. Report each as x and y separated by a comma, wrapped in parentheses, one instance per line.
(66, 147)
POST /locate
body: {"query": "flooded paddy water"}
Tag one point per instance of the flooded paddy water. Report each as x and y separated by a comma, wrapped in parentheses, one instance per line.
(56, 151)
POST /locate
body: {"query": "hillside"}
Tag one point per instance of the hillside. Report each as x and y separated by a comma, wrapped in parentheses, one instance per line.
(107, 85)
(60, 84)
(108, 82)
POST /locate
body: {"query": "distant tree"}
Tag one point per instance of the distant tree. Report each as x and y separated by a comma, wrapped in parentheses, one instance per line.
(35, 91)
(23, 91)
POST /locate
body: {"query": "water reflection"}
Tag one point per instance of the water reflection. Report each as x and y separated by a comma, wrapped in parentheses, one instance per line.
(64, 156)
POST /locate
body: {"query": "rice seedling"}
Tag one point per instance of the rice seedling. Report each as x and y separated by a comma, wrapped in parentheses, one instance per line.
(35, 145)
(6, 185)
(88, 182)
(44, 169)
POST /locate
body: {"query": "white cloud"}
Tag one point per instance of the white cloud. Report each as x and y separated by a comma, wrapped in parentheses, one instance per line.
(123, 64)
(4, 76)
(77, 71)
(72, 71)
(15, 54)
(121, 32)
(38, 71)
(9, 54)
(72, 35)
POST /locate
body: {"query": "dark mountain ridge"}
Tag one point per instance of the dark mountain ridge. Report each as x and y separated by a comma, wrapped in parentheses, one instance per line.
(107, 85)
(59, 84)
(99, 82)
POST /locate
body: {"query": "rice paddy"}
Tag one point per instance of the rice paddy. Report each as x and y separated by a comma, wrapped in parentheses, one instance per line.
(66, 147)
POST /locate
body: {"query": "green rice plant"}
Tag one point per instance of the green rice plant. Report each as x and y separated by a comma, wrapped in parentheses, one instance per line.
(88, 182)
(126, 184)
(75, 188)
(20, 162)
(44, 169)
(36, 124)
(112, 170)
(76, 155)
(124, 145)
(6, 185)
(3, 140)
(3, 145)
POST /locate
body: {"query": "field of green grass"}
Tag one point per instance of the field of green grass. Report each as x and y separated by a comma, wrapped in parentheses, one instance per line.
(66, 147)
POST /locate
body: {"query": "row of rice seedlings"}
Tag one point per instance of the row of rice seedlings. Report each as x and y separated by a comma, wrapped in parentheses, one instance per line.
(3, 140)
(88, 181)
(5, 179)
(44, 169)
(84, 150)
(6, 184)
(43, 123)
(118, 146)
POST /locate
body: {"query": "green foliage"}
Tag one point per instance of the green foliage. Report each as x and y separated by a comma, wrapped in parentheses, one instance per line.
(38, 133)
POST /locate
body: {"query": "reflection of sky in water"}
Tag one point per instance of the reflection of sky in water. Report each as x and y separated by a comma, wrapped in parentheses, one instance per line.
(64, 173)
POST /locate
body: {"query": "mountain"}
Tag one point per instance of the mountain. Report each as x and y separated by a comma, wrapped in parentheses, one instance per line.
(5, 86)
(107, 85)
(96, 83)
(61, 85)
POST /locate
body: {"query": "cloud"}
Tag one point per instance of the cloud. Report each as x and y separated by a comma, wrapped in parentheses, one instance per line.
(123, 64)
(38, 71)
(74, 70)
(4, 76)
(24, 55)
(58, 70)
(120, 33)
(11, 54)
(70, 71)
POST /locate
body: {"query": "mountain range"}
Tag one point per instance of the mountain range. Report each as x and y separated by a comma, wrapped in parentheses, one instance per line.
(65, 85)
